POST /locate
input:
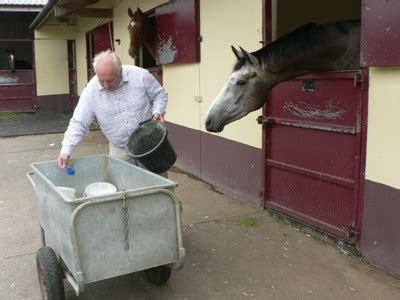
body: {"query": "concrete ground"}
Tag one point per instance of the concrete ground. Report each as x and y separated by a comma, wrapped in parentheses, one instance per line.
(34, 123)
(225, 259)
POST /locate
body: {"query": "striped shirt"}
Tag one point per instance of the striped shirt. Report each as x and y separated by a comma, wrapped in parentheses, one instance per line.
(138, 97)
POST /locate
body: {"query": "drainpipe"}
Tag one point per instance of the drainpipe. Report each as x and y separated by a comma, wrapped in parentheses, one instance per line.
(43, 15)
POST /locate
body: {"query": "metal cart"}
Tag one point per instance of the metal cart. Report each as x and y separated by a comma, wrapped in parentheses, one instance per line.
(88, 239)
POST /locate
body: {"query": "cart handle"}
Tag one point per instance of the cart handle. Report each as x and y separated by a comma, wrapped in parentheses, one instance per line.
(29, 176)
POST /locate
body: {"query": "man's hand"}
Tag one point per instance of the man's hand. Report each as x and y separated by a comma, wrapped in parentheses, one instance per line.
(159, 118)
(63, 160)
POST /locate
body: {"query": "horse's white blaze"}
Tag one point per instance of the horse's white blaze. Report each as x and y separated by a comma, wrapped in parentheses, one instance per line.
(227, 106)
(223, 95)
(243, 92)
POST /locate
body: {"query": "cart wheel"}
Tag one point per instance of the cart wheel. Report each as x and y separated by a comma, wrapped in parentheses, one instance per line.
(158, 275)
(49, 274)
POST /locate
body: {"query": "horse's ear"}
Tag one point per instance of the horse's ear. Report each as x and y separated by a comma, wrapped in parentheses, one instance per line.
(249, 57)
(139, 10)
(7, 51)
(130, 12)
(236, 52)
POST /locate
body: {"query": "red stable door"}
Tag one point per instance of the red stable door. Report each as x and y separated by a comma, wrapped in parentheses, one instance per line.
(313, 148)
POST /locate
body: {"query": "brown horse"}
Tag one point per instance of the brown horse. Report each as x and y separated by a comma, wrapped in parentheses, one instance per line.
(16, 64)
(141, 32)
(310, 48)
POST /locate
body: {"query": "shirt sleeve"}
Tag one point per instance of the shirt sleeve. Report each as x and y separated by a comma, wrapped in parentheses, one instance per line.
(79, 124)
(157, 94)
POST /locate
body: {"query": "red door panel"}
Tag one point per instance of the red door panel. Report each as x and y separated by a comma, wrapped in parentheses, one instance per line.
(320, 203)
(17, 91)
(313, 141)
(72, 77)
(320, 145)
(103, 37)
(178, 32)
(99, 39)
(380, 33)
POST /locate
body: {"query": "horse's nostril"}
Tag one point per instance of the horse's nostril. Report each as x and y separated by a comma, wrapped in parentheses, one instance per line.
(208, 124)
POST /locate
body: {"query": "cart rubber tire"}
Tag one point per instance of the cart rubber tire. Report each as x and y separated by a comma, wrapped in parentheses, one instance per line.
(49, 274)
(158, 275)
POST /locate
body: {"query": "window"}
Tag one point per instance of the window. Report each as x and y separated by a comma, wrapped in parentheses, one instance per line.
(145, 59)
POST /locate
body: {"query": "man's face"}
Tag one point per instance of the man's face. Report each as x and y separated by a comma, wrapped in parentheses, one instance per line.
(108, 77)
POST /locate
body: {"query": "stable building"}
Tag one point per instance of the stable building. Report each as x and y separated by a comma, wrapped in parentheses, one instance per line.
(336, 174)
(18, 87)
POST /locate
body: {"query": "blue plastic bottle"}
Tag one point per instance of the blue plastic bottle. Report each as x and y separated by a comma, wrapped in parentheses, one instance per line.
(70, 171)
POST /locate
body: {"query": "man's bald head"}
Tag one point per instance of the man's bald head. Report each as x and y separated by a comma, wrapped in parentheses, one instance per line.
(108, 69)
(108, 58)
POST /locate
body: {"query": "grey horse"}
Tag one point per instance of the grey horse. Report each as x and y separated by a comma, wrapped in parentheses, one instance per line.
(308, 49)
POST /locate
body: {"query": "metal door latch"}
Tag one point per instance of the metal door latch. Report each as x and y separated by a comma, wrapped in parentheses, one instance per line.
(308, 85)
(265, 120)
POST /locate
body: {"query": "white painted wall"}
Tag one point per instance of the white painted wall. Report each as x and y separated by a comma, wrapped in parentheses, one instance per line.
(183, 82)
(51, 56)
(242, 26)
(224, 23)
(383, 142)
(51, 59)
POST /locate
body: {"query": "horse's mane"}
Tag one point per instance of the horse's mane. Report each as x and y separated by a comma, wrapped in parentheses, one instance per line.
(303, 41)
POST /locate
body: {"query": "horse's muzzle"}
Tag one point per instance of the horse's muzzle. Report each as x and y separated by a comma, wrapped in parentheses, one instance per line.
(210, 127)
(133, 53)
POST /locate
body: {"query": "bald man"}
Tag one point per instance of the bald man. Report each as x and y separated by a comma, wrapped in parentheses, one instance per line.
(119, 97)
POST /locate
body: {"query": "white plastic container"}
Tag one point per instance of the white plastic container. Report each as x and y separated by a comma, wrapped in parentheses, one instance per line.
(68, 192)
(99, 188)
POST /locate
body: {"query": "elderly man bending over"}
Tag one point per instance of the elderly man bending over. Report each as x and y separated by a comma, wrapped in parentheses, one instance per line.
(119, 98)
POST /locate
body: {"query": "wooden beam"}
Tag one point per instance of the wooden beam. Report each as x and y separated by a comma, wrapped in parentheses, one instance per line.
(84, 12)
(73, 4)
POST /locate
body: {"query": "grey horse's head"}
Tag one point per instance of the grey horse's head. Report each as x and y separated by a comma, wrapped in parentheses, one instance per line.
(244, 92)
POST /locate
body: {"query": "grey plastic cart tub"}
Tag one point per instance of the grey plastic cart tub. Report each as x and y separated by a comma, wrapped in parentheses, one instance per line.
(134, 229)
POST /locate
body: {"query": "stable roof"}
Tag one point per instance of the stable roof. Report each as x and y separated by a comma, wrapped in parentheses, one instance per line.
(22, 5)
(23, 2)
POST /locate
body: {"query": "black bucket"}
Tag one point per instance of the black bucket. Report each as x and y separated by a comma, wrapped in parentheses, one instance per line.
(149, 145)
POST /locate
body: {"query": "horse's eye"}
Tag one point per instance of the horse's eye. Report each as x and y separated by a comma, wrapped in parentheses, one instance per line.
(241, 82)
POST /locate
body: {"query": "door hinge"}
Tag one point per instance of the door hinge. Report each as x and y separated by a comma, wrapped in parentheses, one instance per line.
(359, 79)
(352, 230)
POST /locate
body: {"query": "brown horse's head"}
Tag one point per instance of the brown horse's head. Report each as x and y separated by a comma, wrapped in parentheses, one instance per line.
(11, 59)
(140, 33)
